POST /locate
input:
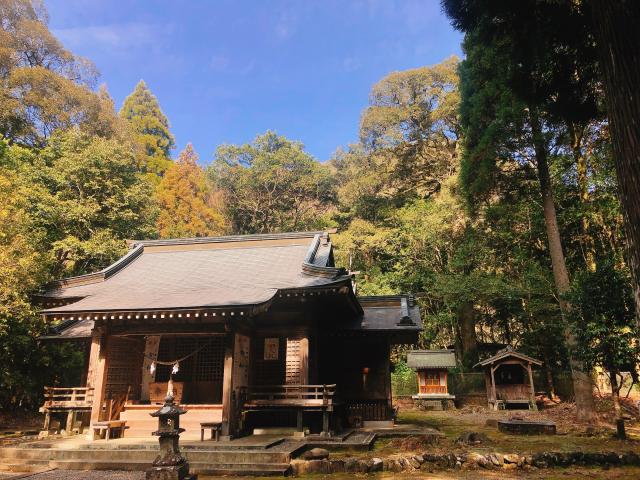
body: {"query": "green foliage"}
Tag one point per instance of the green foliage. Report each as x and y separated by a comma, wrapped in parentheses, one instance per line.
(604, 317)
(66, 210)
(404, 381)
(91, 199)
(149, 128)
(272, 185)
(43, 86)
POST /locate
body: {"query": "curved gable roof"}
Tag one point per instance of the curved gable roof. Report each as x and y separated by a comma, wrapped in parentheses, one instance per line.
(202, 272)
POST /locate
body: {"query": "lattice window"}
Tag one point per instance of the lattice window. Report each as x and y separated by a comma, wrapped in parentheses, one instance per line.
(430, 377)
(207, 365)
(125, 366)
(210, 361)
(293, 368)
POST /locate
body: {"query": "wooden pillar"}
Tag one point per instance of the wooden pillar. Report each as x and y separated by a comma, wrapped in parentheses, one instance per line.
(299, 420)
(97, 375)
(325, 423)
(387, 380)
(228, 407)
(533, 389)
(493, 386)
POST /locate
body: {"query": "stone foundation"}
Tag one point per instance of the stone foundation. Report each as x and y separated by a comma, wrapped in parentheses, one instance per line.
(525, 427)
(492, 461)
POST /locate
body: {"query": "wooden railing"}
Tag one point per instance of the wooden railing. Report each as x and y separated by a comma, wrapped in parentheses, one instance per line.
(312, 395)
(433, 389)
(67, 398)
(372, 410)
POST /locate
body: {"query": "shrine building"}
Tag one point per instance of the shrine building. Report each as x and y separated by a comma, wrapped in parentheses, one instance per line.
(252, 331)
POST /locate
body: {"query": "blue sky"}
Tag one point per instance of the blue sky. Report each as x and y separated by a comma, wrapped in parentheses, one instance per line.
(225, 71)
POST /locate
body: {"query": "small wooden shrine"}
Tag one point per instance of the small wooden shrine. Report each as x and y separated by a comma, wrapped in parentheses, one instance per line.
(253, 331)
(432, 368)
(509, 379)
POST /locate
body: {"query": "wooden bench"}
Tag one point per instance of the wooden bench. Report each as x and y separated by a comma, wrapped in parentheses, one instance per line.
(109, 426)
(215, 428)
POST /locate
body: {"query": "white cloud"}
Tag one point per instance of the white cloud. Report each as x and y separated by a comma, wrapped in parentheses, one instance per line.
(119, 36)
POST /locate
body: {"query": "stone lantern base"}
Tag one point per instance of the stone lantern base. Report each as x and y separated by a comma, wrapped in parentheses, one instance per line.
(174, 472)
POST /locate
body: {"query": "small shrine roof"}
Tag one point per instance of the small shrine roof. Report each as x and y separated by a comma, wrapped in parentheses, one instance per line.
(504, 354)
(419, 359)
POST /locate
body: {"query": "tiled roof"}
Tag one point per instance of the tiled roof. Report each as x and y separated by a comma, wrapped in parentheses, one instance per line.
(202, 272)
(431, 359)
(71, 330)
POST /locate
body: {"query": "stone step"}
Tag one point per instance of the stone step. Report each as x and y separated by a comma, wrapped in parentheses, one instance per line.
(128, 465)
(25, 466)
(143, 455)
(258, 470)
(140, 423)
(202, 468)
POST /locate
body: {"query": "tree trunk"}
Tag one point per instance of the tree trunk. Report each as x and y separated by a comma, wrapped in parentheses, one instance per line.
(615, 393)
(548, 374)
(615, 25)
(468, 339)
(582, 383)
(577, 133)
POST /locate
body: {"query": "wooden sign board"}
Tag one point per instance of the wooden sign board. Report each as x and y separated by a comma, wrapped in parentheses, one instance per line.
(271, 348)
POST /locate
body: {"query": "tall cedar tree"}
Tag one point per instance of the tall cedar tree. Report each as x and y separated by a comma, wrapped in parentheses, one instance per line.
(501, 127)
(149, 130)
(615, 24)
(593, 37)
(189, 206)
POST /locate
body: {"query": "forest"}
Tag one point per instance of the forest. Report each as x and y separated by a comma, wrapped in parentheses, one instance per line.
(485, 186)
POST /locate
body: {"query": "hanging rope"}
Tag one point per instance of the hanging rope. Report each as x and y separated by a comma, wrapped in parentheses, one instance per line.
(174, 363)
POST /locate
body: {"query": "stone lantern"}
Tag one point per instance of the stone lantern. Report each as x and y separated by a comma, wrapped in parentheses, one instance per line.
(170, 464)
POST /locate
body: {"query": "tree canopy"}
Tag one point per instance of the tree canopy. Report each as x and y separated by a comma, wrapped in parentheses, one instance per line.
(188, 204)
(149, 129)
(272, 185)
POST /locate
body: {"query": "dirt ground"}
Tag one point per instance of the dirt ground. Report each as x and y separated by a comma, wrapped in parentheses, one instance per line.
(570, 436)
(556, 474)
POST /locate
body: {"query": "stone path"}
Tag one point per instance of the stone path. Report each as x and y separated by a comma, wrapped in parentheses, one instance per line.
(75, 475)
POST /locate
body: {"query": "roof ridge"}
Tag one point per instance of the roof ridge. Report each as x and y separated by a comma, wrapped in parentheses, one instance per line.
(231, 238)
(101, 275)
